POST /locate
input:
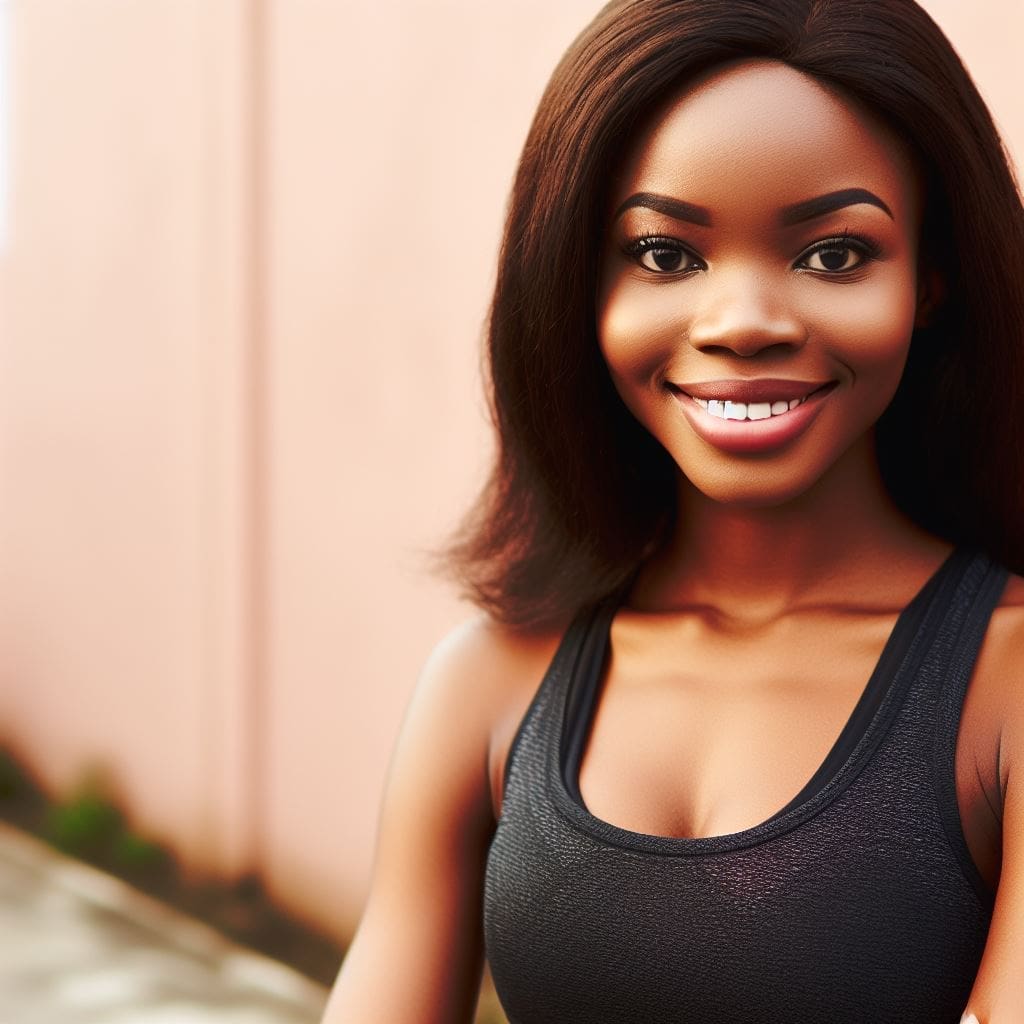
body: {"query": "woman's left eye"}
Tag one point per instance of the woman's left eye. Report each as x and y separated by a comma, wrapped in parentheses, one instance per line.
(835, 256)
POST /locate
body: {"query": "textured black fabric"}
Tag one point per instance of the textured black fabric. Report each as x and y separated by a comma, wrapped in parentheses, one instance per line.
(857, 902)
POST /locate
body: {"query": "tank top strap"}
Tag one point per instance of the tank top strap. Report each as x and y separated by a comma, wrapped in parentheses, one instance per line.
(583, 685)
(945, 675)
(952, 638)
(540, 726)
(956, 639)
(947, 645)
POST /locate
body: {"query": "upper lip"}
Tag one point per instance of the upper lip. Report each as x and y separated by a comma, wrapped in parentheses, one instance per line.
(766, 389)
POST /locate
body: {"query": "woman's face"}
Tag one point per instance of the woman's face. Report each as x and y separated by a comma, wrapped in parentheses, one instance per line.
(759, 280)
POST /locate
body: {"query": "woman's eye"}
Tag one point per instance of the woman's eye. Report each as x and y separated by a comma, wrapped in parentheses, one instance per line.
(833, 257)
(663, 256)
(666, 260)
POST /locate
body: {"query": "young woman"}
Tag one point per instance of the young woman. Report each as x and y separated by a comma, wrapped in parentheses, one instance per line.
(738, 735)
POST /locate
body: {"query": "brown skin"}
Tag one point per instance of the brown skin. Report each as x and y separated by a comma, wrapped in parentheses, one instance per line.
(749, 637)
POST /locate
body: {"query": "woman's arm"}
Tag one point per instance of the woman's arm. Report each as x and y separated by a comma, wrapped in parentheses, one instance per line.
(998, 993)
(417, 955)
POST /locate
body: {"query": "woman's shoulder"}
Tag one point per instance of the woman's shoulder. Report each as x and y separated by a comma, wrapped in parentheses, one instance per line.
(421, 925)
(485, 656)
(484, 674)
(994, 698)
(1002, 655)
(1013, 594)
(1003, 650)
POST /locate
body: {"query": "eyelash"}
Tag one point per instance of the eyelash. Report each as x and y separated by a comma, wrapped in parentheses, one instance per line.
(866, 248)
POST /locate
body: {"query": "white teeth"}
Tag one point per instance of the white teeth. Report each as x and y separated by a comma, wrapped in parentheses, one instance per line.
(747, 410)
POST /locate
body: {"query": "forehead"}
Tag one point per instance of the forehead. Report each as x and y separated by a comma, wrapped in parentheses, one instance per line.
(761, 130)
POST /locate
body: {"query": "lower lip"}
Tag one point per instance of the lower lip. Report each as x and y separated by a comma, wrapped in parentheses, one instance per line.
(751, 437)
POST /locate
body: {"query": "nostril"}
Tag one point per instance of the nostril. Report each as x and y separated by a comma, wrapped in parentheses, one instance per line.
(738, 330)
(780, 347)
(747, 351)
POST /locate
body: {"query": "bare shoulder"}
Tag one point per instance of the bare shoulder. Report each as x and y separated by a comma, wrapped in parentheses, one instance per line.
(994, 699)
(470, 685)
(484, 649)
(1002, 659)
(482, 662)
(1007, 651)
(490, 672)
(1013, 595)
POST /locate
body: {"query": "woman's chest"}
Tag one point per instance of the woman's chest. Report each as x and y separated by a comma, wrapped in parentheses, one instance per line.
(667, 888)
(700, 822)
(700, 734)
(668, 881)
(692, 732)
(695, 733)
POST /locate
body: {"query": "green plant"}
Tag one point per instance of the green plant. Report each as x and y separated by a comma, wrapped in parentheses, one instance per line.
(134, 853)
(86, 824)
(89, 824)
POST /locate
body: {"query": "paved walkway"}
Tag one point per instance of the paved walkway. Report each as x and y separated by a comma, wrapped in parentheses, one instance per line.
(80, 947)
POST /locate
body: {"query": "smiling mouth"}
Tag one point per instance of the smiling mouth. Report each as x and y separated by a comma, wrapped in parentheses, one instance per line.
(751, 400)
(739, 417)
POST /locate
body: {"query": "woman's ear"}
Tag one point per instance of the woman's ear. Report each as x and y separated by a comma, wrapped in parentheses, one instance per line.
(931, 293)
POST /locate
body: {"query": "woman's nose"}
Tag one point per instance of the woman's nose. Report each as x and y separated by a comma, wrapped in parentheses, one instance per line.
(745, 314)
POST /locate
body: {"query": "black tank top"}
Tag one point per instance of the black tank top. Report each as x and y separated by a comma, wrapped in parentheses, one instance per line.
(856, 902)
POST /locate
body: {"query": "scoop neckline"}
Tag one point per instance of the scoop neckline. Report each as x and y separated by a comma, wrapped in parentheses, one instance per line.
(884, 693)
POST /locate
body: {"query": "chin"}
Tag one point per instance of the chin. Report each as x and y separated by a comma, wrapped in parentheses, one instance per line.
(756, 487)
(750, 497)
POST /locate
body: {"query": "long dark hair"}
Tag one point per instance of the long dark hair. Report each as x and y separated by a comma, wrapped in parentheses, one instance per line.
(580, 492)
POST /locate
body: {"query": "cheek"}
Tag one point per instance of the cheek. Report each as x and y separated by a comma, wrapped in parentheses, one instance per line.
(638, 330)
(871, 325)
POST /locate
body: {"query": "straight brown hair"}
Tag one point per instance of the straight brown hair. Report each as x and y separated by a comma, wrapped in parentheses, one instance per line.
(580, 493)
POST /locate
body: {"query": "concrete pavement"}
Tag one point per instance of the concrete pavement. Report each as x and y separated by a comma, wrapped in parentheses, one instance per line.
(80, 947)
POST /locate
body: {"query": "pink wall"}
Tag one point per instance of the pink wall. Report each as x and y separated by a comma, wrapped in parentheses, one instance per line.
(393, 135)
(249, 256)
(103, 416)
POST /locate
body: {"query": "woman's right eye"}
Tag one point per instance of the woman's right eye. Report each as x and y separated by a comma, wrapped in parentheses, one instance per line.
(663, 256)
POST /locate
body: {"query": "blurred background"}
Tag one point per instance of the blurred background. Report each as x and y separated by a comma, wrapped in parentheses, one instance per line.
(246, 248)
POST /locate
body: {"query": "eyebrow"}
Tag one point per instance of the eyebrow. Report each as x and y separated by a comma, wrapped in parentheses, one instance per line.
(797, 213)
(808, 209)
(674, 208)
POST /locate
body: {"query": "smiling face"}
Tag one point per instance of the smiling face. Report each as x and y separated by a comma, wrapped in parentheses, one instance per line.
(759, 285)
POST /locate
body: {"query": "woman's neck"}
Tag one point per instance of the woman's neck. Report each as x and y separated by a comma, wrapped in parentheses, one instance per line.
(842, 538)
